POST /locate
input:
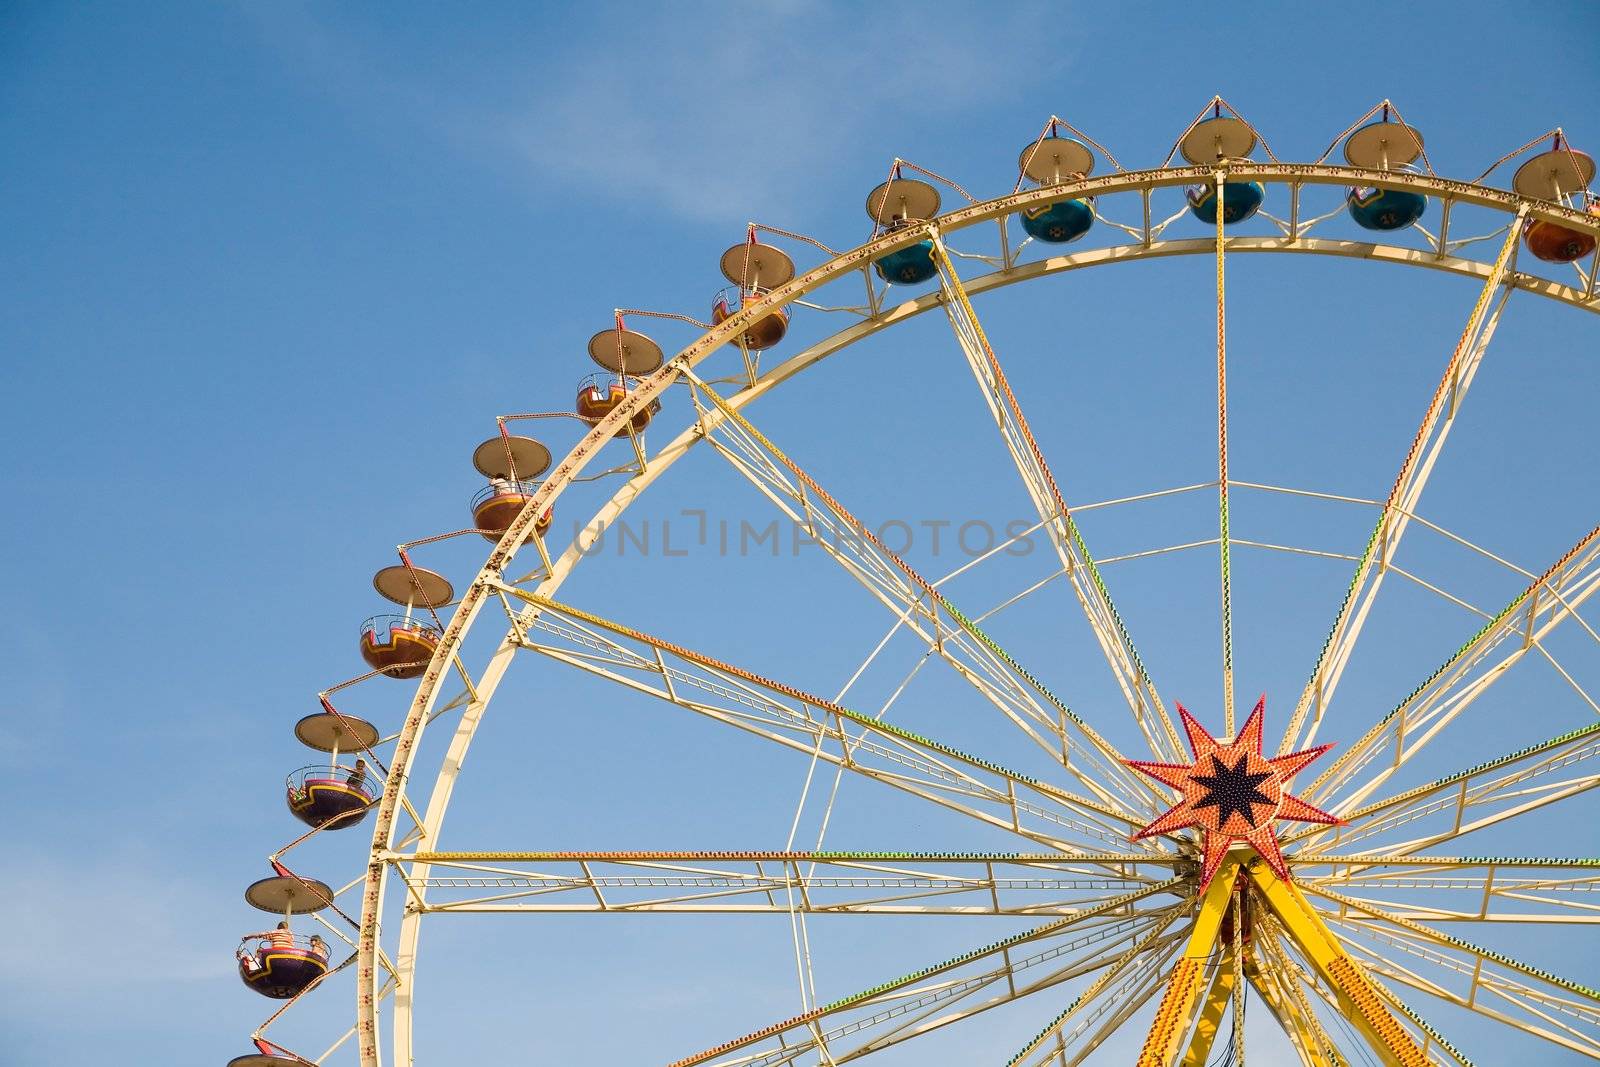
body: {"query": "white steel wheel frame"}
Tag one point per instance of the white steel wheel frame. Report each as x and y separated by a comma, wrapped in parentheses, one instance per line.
(379, 872)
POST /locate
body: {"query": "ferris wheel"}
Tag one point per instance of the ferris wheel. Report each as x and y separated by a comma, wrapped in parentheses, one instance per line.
(1170, 866)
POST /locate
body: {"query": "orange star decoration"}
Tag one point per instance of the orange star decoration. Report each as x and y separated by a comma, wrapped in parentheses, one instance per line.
(1233, 793)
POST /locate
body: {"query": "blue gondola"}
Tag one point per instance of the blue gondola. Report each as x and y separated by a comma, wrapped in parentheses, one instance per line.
(909, 265)
(1240, 200)
(1384, 209)
(1060, 222)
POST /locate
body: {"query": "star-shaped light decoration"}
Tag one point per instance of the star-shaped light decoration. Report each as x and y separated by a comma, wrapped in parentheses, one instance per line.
(1233, 793)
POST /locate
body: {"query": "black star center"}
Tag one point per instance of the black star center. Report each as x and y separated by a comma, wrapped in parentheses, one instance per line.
(1231, 790)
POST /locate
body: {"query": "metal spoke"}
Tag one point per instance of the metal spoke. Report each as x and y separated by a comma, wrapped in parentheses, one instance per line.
(1428, 1041)
(1424, 1033)
(1152, 949)
(1419, 461)
(1535, 1001)
(1446, 889)
(926, 611)
(823, 883)
(1223, 535)
(1078, 564)
(929, 997)
(1131, 980)
(1144, 986)
(1000, 798)
(1412, 963)
(915, 604)
(1529, 619)
(1472, 799)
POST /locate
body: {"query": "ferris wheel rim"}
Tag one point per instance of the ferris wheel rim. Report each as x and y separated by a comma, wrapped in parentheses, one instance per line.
(726, 333)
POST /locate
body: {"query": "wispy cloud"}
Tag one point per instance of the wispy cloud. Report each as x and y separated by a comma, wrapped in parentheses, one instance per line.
(741, 115)
(712, 112)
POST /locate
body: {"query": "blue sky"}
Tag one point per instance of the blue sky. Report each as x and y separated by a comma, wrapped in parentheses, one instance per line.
(271, 270)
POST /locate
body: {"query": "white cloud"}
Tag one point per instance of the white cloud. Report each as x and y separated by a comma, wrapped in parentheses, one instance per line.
(699, 118)
(713, 112)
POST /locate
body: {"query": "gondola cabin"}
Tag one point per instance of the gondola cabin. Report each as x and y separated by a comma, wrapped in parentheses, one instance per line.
(278, 963)
(281, 966)
(1240, 200)
(1058, 223)
(330, 795)
(1391, 145)
(766, 331)
(895, 205)
(907, 266)
(1560, 175)
(755, 269)
(497, 505)
(1050, 161)
(1555, 243)
(398, 645)
(625, 354)
(1373, 208)
(1211, 142)
(600, 394)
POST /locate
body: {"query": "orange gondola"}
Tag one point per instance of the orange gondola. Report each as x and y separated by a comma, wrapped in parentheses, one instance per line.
(600, 394)
(766, 331)
(398, 645)
(497, 505)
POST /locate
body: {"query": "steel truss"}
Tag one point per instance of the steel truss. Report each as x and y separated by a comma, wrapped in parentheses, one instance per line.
(1149, 711)
(921, 609)
(1121, 921)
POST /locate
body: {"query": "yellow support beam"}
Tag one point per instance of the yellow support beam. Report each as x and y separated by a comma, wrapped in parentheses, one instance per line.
(1178, 1003)
(1360, 1002)
(1212, 1009)
(1191, 1006)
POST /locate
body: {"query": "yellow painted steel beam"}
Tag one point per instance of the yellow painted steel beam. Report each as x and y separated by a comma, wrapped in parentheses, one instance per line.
(1360, 1002)
(1191, 1006)
(1213, 1008)
(1183, 996)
